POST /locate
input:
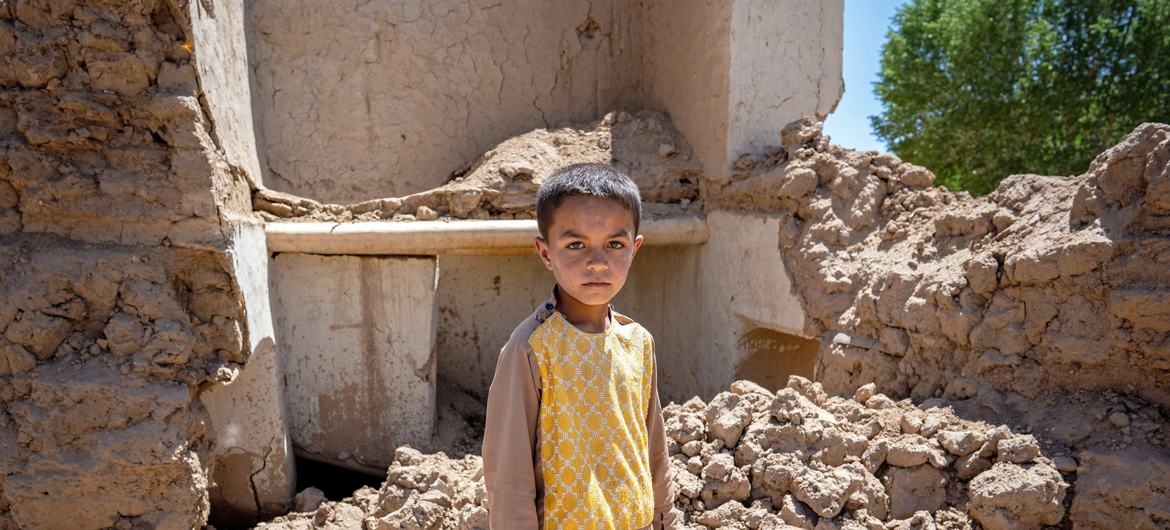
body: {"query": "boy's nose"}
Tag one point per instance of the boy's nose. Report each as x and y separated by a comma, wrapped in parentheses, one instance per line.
(597, 262)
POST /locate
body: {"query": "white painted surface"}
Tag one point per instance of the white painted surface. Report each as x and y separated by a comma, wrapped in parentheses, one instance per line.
(252, 455)
(358, 337)
(664, 294)
(221, 58)
(785, 64)
(481, 300)
(745, 286)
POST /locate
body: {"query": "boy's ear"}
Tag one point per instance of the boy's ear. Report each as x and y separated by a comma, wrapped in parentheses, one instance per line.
(542, 251)
(638, 243)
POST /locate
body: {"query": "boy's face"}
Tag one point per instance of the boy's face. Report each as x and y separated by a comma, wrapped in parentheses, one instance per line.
(590, 247)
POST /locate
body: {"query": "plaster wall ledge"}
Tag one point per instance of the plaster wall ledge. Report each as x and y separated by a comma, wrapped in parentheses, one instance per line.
(431, 238)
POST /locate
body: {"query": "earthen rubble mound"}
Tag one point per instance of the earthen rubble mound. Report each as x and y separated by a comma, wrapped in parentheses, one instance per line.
(753, 459)
(1044, 304)
(1047, 283)
(421, 491)
(802, 458)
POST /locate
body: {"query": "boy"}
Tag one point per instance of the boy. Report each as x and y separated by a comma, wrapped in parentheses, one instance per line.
(574, 435)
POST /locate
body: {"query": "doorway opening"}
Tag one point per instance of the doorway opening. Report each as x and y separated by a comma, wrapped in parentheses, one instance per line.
(768, 357)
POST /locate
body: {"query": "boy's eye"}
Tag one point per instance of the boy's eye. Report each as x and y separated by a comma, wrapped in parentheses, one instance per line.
(616, 244)
(576, 245)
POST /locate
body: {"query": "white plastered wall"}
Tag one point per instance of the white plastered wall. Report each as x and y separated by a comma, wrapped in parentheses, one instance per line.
(358, 351)
(222, 63)
(785, 65)
(687, 57)
(251, 459)
(745, 286)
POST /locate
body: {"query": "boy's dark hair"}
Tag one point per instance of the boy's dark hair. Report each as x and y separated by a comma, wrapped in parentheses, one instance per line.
(596, 180)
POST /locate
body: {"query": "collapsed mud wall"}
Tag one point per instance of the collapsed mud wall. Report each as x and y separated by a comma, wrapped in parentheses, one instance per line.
(1049, 282)
(105, 349)
(1044, 304)
(118, 300)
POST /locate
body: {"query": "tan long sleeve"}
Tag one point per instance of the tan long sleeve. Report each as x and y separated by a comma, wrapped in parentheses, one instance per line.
(659, 459)
(509, 441)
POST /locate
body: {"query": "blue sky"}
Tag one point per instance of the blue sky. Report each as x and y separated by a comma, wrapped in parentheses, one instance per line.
(866, 22)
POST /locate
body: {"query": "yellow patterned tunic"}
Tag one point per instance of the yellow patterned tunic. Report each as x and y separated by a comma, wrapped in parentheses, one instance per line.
(594, 449)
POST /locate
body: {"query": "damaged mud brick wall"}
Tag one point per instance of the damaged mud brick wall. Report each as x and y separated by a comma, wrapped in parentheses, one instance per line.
(95, 101)
(1045, 303)
(104, 349)
(1049, 282)
(117, 301)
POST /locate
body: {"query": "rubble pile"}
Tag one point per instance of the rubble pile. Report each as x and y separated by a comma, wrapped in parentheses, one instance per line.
(420, 492)
(1044, 304)
(502, 183)
(753, 459)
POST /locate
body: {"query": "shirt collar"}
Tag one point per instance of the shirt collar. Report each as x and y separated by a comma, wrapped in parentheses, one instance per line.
(549, 307)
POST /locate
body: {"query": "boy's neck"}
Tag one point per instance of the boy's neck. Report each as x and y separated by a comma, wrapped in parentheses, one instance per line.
(587, 318)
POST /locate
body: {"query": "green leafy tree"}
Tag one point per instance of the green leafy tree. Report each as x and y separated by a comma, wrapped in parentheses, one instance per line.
(977, 90)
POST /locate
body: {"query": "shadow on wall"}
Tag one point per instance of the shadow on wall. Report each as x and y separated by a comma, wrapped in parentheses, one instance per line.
(768, 357)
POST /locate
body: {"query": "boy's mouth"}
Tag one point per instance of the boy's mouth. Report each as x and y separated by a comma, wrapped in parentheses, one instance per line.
(596, 284)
